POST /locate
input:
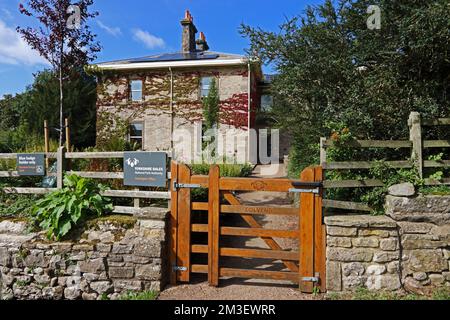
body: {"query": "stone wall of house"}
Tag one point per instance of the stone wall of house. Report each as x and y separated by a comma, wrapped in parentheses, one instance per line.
(408, 248)
(112, 256)
(115, 111)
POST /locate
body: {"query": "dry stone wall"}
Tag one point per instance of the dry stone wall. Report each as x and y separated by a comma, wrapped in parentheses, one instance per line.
(408, 248)
(113, 256)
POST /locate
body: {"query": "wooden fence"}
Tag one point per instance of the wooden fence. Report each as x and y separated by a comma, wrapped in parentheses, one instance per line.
(63, 159)
(415, 143)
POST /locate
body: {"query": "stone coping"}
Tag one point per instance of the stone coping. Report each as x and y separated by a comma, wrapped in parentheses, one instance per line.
(360, 221)
(152, 213)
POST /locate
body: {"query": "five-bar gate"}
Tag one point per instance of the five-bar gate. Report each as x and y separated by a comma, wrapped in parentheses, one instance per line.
(305, 266)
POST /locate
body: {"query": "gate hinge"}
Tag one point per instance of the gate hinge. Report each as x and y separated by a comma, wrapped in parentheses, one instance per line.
(314, 279)
(177, 185)
(177, 268)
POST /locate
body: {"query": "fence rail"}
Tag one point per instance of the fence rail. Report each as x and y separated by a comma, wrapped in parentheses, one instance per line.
(415, 143)
(63, 159)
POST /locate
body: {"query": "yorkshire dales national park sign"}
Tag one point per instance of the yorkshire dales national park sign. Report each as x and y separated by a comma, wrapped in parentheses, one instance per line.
(31, 164)
(145, 169)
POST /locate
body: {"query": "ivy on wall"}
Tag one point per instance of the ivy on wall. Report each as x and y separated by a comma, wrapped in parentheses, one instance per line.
(115, 110)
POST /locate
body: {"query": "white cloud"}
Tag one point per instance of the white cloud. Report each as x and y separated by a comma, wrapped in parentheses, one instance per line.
(149, 40)
(7, 14)
(14, 50)
(114, 31)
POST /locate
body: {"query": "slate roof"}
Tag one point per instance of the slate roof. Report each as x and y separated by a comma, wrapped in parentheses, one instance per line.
(177, 56)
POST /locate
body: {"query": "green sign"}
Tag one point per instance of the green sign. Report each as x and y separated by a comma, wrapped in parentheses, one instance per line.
(31, 164)
(145, 169)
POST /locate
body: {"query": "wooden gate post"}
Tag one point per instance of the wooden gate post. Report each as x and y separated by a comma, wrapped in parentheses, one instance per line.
(306, 236)
(183, 266)
(312, 239)
(173, 223)
(213, 225)
(319, 234)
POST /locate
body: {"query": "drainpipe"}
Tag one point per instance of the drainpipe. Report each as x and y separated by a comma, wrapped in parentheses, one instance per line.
(171, 110)
(249, 109)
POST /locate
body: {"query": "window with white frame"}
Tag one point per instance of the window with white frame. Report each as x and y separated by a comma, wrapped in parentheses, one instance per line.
(205, 86)
(266, 102)
(136, 133)
(136, 90)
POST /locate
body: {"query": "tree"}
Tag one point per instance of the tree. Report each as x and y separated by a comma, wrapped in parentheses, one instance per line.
(335, 71)
(211, 117)
(211, 106)
(25, 112)
(79, 102)
(63, 38)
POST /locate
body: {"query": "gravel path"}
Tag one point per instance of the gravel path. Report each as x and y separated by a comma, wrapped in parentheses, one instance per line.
(248, 289)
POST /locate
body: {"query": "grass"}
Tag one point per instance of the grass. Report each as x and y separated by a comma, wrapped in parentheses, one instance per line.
(365, 294)
(436, 190)
(144, 295)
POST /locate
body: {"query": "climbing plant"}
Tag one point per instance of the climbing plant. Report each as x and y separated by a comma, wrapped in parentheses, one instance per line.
(211, 106)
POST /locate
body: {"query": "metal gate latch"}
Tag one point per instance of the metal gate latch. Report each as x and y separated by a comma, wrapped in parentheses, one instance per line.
(314, 279)
(315, 187)
(177, 268)
(177, 185)
(310, 279)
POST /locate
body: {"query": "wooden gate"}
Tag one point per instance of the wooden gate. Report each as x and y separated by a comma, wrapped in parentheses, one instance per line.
(305, 266)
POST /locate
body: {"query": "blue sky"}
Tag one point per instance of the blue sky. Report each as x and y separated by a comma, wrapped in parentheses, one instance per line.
(137, 28)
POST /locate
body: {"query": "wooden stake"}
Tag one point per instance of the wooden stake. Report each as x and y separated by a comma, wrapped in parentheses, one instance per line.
(67, 134)
(46, 143)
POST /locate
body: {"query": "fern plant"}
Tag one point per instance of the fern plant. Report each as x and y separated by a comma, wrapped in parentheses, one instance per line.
(63, 209)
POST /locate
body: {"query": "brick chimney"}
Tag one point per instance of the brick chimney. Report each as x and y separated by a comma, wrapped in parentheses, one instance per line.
(189, 31)
(202, 44)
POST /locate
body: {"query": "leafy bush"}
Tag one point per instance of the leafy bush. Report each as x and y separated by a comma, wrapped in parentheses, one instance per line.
(16, 205)
(226, 170)
(340, 151)
(63, 209)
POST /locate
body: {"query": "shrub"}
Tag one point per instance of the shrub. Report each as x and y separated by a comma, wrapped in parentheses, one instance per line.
(226, 170)
(15, 205)
(63, 209)
(144, 295)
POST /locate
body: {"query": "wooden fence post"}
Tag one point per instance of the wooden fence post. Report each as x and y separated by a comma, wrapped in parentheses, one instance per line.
(173, 224)
(306, 234)
(415, 135)
(323, 151)
(184, 225)
(66, 123)
(213, 225)
(60, 167)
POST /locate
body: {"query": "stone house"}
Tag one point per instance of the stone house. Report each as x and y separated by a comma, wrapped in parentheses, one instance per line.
(148, 99)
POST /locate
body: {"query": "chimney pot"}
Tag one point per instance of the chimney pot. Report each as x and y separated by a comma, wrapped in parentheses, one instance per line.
(202, 45)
